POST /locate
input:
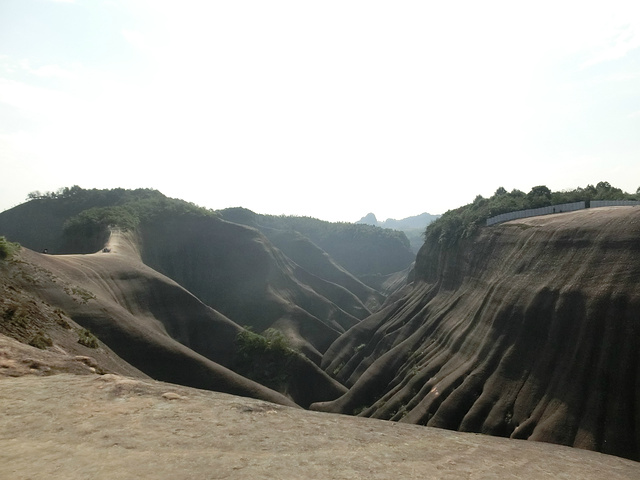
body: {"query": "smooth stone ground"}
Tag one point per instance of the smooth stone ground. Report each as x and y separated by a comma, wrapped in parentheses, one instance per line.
(111, 427)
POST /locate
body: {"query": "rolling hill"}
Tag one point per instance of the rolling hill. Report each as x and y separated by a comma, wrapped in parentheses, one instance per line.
(233, 268)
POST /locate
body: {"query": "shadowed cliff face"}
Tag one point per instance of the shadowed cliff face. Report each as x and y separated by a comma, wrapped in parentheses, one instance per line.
(531, 331)
(236, 270)
(363, 250)
(314, 260)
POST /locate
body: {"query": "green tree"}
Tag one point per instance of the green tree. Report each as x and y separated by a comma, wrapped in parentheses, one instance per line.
(539, 196)
(264, 358)
(604, 191)
(34, 195)
(540, 191)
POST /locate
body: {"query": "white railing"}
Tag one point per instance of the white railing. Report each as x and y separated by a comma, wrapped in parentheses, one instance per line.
(614, 203)
(564, 207)
(534, 212)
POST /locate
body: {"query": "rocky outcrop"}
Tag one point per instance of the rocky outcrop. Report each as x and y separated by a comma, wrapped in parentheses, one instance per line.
(531, 330)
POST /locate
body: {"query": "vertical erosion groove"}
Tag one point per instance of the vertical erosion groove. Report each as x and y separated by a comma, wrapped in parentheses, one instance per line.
(530, 330)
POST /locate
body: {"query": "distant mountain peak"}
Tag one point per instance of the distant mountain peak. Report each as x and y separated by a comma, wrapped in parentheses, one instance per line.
(416, 221)
(369, 219)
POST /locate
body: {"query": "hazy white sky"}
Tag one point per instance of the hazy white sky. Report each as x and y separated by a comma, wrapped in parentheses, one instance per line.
(331, 109)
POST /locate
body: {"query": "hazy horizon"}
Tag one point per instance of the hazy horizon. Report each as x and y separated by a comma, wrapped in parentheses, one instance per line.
(329, 110)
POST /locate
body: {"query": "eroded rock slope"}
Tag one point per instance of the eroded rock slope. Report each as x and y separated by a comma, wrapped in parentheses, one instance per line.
(148, 321)
(531, 331)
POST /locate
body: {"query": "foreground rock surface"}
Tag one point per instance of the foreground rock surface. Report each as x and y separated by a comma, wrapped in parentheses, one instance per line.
(89, 426)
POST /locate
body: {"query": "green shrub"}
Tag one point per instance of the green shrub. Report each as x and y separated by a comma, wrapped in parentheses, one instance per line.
(79, 294)
(358, 410)
(7, 248)
(338, 369)
(41, 340)
(264, 358)
(60, 320)
(86, 338)
(271, 341)
(15, 317)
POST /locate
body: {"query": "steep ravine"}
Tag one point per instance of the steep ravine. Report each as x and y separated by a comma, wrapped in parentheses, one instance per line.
(236, 270)
(531, 330)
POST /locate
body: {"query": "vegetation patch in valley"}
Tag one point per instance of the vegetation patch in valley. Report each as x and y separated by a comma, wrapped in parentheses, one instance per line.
(264, 358)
